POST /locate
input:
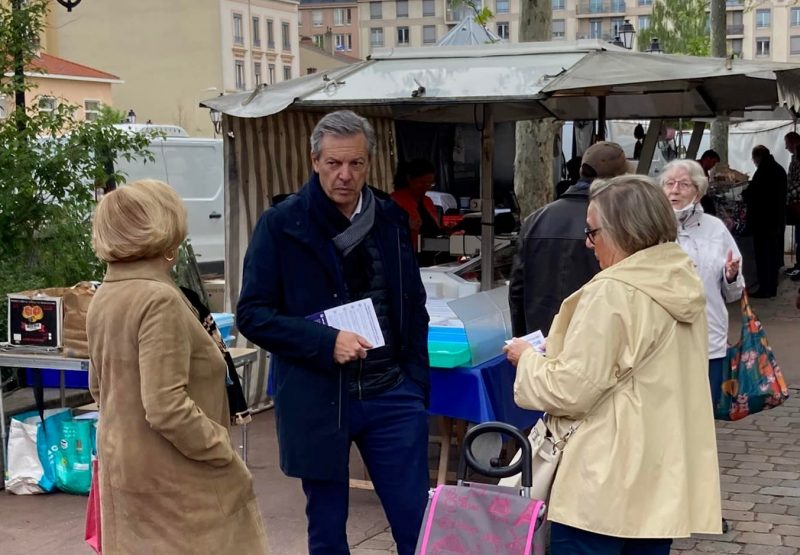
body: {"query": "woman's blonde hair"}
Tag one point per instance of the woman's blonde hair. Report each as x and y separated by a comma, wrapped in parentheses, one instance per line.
(634, 212)
(145, 219)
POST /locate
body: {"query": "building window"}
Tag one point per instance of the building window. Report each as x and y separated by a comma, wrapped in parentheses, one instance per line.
(558, 4)
(762, 19)
(47, 103)
(429, 8)
(319, 40)
(342, 16)
(794, 46)
(402, 35)
(316, 18)
(402, 8)
(762, 47)
(271, 74)
(300, 17)
(644, 22)
(343, 42)
(376, 10)
(238, 30)
(595, 29)
(559, 29)
(257, 77)
(256, 32)
(616, 26)
(376, 36)
(596, 6)
(429, 34)
(618, 6)
(459, 12)
(502, 30)
(270, 34)
(91, 108)
(502, 6)
(287, 73)
(645, 2)
(794, 17)
(238, 73)
(736, 47)
(286, 37)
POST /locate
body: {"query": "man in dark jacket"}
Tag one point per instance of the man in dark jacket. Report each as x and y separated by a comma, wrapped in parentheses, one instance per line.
(552, 260)
(335, 242)
(765, 198)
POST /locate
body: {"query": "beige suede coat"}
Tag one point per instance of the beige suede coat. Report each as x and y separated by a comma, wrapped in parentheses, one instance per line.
(170, 481)
(644, 462)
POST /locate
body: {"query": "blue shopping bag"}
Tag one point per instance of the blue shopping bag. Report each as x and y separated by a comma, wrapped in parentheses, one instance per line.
(32, 450)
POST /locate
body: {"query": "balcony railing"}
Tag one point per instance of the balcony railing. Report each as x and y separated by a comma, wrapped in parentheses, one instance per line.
(734, 29)
(600, 7)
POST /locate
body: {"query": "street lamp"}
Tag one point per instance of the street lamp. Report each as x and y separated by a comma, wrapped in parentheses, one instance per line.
(216, 119)
(626, 33)
(655, 46)
(617, 42)
(69, 4)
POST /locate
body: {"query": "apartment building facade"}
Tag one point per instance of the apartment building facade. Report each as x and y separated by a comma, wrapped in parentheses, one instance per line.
(332, 25)
(175, 54)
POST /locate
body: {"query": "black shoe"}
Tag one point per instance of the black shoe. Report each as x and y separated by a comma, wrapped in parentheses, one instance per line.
(792, 272)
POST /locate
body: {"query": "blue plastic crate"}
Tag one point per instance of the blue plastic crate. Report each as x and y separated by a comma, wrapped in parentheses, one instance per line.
(225, 322)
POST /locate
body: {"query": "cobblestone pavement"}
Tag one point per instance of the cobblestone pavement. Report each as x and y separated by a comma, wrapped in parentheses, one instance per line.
(759, 459)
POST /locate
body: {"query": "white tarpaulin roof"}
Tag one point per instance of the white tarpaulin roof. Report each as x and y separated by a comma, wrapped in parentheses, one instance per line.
(530, 80)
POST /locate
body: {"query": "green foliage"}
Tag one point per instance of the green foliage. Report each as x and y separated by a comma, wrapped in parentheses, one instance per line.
(481, 16)
(48, 173)
(681, 27)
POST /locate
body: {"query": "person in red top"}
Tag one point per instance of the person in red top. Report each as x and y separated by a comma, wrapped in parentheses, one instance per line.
(412, 181)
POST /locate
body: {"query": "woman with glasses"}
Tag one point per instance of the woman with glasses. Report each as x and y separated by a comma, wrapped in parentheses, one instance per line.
(713, 250)
(621, 373)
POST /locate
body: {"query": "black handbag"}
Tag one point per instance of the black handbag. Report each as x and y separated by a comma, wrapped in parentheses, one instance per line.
(240, 412)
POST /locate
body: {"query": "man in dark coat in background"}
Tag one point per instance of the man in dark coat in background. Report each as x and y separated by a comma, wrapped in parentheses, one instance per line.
(765, 198)
(336, 242)
(552, 260)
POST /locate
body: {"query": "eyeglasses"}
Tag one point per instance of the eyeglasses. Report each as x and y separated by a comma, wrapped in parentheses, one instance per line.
(590, 233)
(682, 185)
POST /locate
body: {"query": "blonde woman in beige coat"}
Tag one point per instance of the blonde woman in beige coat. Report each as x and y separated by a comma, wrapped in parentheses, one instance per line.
(630, 350)
(170, 481)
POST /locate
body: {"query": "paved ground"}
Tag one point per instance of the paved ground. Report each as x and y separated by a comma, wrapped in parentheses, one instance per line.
(759, 465)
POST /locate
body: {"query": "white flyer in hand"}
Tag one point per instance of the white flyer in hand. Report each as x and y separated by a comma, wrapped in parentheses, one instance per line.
(358, 317)
(535, 338)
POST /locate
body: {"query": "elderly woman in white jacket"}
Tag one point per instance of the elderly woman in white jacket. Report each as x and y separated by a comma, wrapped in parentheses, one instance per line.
(713, 250)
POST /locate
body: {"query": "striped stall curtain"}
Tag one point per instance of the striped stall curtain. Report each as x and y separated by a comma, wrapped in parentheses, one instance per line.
(269, 156)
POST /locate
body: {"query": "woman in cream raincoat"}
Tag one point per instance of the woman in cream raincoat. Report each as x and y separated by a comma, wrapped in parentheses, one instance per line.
(642, 467)
(170, 481)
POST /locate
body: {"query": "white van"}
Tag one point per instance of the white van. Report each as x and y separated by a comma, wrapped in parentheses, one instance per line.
(194, 168)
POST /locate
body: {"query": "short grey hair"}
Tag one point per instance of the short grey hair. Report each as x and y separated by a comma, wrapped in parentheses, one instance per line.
(693, 168)
(342, 123)
(634, 212)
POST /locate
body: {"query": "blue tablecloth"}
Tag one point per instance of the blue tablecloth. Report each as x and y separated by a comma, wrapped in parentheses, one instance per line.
(479, 394)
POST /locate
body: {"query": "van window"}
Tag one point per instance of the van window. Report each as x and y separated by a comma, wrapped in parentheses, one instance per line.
(196, 172)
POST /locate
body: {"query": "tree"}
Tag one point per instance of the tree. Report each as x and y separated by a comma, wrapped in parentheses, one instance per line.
(533, 160)
(50, 165)
(681, 27)
(719, 48)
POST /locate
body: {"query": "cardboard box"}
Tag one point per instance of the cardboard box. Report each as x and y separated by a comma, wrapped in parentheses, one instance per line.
(35, 321)
(216, 294)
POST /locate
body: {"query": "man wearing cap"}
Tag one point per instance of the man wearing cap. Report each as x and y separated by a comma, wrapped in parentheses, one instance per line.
(552, 260)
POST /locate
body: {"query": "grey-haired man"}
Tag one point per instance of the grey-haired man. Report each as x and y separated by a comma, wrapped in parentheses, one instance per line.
(332, 243)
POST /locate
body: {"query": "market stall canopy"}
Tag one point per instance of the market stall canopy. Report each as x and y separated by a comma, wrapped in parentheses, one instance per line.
(529, 81)
(468, 32)
(640, 85)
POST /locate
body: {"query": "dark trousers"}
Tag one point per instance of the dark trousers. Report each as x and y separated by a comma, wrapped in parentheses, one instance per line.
(715, 367)
(391, 433)
(566, 540)
(766, 247)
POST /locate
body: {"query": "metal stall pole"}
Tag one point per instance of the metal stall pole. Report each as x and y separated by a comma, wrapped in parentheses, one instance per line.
(487, 199)
(649, 146)
(694, 140)
(601, 118)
